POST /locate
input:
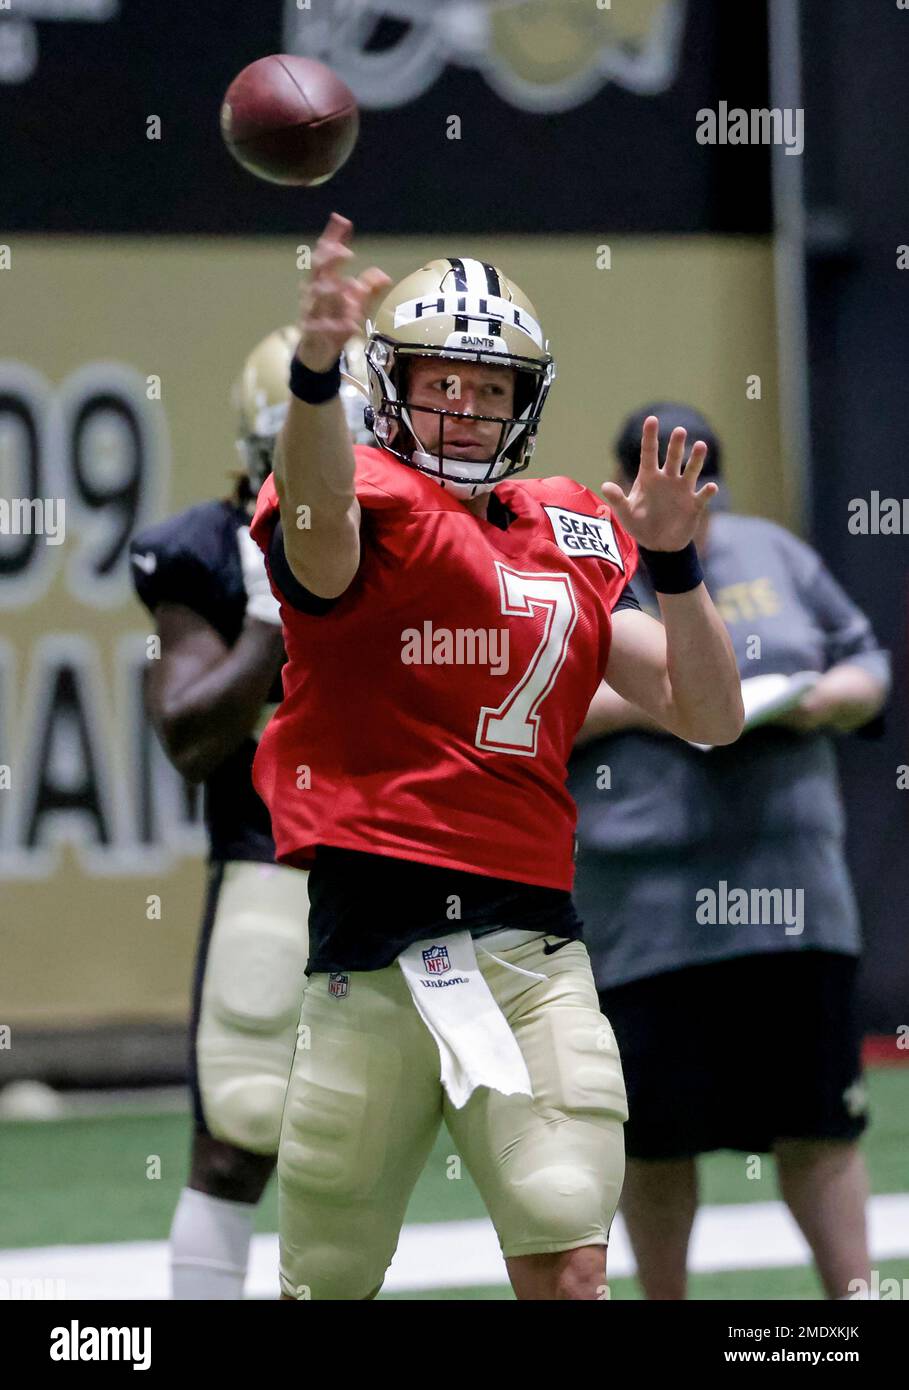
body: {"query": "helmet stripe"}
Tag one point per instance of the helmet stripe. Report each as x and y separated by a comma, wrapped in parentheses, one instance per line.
(493, 287)
(461, 324)
(480, 279)
(460, 273)
(492, 278)
(477, 276)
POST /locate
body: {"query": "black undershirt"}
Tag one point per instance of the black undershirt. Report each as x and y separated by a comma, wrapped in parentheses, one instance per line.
(365, 909)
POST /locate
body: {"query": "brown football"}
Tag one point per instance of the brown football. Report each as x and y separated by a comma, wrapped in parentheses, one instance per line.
(289, 120)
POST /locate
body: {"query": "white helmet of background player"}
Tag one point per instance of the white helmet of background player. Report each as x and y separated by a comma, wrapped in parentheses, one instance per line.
(354, 390)
(458, 310)
(261, 396)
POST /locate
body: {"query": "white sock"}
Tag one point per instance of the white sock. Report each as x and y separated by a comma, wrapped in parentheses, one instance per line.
(209, 1246)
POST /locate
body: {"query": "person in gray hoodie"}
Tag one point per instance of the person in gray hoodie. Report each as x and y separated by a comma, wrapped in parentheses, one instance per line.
(719, 913)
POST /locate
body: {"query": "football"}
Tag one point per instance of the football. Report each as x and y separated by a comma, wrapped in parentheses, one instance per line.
(290, 120)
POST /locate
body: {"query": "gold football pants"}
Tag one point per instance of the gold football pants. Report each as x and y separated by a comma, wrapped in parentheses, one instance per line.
(365, 1103)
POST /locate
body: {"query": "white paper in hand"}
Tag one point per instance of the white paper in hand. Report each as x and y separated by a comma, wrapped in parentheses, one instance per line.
(767, 697)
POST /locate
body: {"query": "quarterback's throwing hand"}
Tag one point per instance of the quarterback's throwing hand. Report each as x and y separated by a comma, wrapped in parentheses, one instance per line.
(333, 308)
(663, 507)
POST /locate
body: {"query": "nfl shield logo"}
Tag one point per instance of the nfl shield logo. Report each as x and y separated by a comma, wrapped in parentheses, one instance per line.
(339, 985)
(436, 960)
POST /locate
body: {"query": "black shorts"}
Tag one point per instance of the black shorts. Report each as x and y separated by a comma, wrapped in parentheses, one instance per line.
(737, 1054)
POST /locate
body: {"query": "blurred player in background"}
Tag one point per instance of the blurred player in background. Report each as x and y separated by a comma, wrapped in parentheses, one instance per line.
(734, 1036)
(448, 974)
(217, 682)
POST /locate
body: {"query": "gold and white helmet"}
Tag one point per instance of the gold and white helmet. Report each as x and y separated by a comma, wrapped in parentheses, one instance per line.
(261, 395)
(462, 310)
(354, 391)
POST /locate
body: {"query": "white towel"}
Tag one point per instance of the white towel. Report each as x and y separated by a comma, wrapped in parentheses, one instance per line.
(476, 1045)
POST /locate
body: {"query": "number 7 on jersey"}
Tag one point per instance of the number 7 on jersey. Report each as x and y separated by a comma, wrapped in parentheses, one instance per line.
(513, 726)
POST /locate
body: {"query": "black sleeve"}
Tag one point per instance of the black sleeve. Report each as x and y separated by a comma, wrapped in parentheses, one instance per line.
(162, 573)
(292, 591)
(626, 599)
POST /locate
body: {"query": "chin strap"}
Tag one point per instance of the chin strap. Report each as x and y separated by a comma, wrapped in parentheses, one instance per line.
(463, 487)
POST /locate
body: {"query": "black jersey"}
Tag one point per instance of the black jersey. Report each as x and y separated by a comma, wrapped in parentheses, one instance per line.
(193, 559)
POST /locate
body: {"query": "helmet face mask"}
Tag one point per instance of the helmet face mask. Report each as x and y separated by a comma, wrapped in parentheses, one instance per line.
(257, 454)
(457, 311)
(398, 431)
(354, 395)
(260, 397)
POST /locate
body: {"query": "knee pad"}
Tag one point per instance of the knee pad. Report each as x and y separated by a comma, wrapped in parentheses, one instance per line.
(560, 1182)
(566, 1201)
(330, 1272)
(245, 1111)
(592, 1087)
(255, 969)
(254, 982)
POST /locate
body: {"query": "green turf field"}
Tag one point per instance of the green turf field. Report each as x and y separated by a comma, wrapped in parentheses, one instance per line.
(79, 1181)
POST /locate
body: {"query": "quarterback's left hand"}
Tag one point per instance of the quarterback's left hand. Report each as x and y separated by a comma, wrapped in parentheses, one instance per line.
(662, 509)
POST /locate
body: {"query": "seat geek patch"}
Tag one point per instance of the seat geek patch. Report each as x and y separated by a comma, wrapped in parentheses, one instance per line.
(578, 534)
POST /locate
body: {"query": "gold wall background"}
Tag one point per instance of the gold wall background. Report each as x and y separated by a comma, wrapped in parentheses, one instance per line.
(673, 317)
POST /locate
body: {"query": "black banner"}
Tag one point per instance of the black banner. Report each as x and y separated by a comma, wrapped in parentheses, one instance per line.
(533, 116)
(62, 1338)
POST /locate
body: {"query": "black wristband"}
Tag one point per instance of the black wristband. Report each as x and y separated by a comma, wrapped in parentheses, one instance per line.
(673, 571)
(314, 387)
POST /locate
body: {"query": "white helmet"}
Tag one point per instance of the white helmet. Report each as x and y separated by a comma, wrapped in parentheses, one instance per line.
(462, 310)
(261, 396)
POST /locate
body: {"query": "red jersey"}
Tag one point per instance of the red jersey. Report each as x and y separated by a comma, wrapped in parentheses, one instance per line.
(429, 715)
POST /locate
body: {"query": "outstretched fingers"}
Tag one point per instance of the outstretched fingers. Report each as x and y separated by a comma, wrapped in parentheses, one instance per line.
(695, 462)
(370, 284)
(333, 247)
(706, 494)
(338, 231)
(675, 454)
(616, 499)
(693, 472)
(650, 445)
(328, 259)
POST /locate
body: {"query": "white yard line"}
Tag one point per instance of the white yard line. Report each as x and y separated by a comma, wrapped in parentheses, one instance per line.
(444, 1254)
